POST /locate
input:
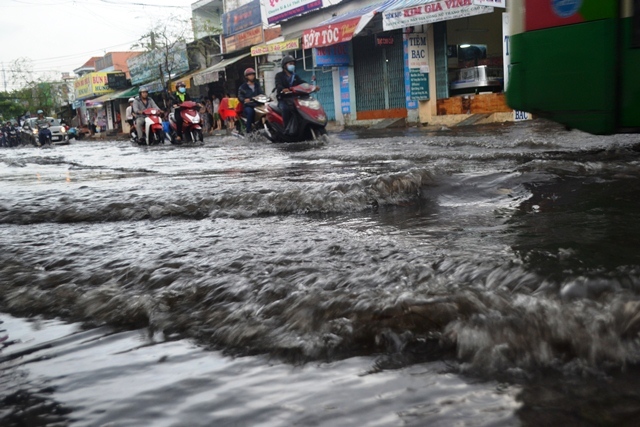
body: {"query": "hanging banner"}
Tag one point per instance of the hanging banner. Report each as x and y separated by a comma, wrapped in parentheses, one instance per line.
(327, 35)
(506, 52)
(277, 10)
(242, 18)
(429, 13)
(336, 55)
(345, 94)
(266, 49)
(245, 39)
(493, 3)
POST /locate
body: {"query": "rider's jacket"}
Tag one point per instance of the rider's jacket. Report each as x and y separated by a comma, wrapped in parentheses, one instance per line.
(42, 123)
(139, 106)
(245, 93)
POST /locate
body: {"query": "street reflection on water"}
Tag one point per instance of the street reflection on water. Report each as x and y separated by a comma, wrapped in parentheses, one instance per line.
(479, 276)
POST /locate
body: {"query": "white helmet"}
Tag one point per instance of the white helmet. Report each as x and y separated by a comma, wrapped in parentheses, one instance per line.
(131, 99)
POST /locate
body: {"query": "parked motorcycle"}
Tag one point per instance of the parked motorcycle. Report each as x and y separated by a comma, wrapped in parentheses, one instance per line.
(153, 130)
(309, 118)
(191, 127)
(74, 133)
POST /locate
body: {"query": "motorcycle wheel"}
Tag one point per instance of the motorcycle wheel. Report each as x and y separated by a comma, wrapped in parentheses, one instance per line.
(158, 137)
(173, 138)
(317, 134)
(199, 135)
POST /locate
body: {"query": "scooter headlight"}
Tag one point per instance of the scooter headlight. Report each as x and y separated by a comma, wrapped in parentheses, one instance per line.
(314, 104)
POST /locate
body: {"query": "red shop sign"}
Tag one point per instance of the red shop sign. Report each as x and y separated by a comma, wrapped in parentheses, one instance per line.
(327, 35)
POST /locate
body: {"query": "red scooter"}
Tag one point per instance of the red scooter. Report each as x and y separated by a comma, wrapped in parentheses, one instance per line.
(309, 121)
(153, 131)
(191, 127)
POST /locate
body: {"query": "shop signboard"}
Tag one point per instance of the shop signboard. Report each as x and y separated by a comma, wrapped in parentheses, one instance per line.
(146, 67)
(336, 55)
(429, 13)
(382, 41)
(82, 86)
(117, 80)
(492, 3)
(92, 84)
(345, 94)
(554, 13)
(277, 10)
(417, 50)
(244, 39)
(242, 18)
(419, 84)
(327, 35)
(266, 49)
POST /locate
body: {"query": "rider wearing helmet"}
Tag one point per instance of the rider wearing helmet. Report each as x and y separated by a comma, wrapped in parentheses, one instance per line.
(44, 134)
(141, 103)
(179, 97)
(286, 79)
(246, 92)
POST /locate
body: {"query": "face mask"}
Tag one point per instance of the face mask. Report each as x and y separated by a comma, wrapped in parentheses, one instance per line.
(291, 68)
(182, 90)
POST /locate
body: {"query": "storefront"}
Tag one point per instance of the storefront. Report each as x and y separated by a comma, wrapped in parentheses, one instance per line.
(404, 55)
(466, 41)
(91, 91)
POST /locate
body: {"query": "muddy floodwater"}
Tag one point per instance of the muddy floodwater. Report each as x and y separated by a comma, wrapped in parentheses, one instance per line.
(480, 276)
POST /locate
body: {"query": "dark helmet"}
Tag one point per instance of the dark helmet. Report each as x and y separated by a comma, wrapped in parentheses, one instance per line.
(180, 83)
(249, 71)
(287, 59)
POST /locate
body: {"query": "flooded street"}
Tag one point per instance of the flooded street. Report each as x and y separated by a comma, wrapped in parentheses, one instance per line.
(487, 275)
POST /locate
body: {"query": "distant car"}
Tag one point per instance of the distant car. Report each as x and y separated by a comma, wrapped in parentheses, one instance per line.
(30, 132)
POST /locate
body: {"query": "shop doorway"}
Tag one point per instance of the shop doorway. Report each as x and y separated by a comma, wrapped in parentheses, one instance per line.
(379, 76)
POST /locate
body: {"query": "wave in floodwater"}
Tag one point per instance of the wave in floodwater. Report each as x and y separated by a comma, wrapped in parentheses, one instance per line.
(512, 260)
(388, 189)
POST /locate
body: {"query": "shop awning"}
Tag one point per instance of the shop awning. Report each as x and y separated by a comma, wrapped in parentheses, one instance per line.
(128, 93)
(210, 74)
(97, 102)
(344, 27)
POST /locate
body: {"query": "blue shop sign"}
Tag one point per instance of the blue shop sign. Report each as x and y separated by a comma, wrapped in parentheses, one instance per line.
(242, 18)
(336, 55)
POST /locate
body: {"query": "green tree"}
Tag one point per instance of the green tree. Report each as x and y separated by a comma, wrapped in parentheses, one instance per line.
(165, 47)
(36, 91)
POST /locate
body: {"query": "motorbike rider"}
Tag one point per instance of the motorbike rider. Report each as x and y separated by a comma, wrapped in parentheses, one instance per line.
(246, 92)
(4, 134)
(286, 79)
(141, 103)
(7, 134)
(179, 97)
(44, 134)
(129, 114)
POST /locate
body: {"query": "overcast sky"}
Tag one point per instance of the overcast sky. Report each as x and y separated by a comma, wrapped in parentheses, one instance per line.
(61, 35)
